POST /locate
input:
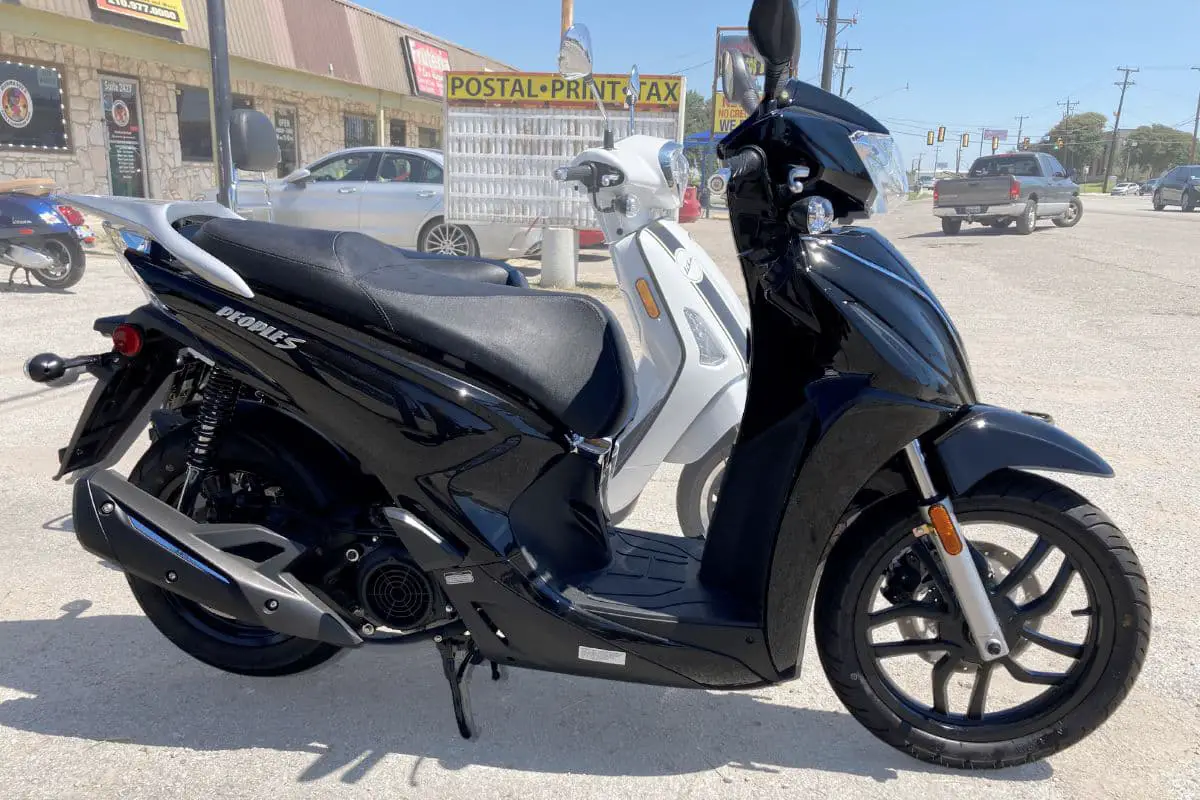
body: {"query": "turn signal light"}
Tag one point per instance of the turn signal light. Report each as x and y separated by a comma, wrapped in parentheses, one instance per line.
(1014, 190)
(127, 339)
(944, 527)
(648, 301)
(935, 193)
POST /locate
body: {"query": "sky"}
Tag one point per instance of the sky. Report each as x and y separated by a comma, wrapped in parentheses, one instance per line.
(966, 65)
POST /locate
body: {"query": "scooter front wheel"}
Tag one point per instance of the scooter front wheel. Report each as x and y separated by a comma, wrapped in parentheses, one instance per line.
(1081, 642)
(699, 486)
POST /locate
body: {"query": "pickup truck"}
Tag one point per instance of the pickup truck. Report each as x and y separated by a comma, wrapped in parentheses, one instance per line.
(1003, 189)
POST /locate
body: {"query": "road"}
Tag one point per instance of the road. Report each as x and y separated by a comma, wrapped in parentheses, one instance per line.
(1097, 325)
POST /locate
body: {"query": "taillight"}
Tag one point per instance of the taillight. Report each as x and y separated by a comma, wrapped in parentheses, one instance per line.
(935, 192)
(1014, 190)
(127, 339)
(71, 215)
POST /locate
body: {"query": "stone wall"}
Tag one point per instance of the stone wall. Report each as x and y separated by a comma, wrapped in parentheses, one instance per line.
(85, 168)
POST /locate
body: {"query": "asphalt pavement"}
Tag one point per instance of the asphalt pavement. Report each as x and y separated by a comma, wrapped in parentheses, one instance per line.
(1097, 325)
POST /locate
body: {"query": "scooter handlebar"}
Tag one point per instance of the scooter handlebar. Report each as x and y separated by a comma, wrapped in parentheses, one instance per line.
(743, 162)
(582, 173)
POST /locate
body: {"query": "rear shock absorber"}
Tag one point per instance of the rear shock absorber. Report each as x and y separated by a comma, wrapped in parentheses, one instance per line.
(216, 408)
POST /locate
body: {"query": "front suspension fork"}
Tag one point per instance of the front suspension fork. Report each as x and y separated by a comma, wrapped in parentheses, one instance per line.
(955, 554)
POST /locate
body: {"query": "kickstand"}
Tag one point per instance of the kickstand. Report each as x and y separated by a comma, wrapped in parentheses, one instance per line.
(498, 672)
(458, 675)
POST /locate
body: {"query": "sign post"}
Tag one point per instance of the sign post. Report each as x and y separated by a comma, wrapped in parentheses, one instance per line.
(218, 47)
(507, 132)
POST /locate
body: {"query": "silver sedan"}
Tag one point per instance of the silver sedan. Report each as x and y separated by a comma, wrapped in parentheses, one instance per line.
(395, 194)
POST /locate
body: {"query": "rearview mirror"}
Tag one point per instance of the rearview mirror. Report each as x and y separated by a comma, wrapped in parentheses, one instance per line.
(775, 34)
(575, 54)
(252, 141)
(298, 176)
(634, 90)
(737, 84)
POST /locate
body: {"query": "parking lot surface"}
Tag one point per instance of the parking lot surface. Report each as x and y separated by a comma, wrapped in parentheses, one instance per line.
(1097, 325)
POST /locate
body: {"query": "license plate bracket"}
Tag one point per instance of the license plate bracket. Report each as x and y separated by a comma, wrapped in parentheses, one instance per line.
(973, 209)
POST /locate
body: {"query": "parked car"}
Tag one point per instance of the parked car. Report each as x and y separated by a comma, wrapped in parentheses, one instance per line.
(1125, 188)
(1002, 189)
(1179, 187)
(395, 194)
(1149, 186)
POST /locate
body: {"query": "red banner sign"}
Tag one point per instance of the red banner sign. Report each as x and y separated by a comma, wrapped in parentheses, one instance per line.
(427, 67)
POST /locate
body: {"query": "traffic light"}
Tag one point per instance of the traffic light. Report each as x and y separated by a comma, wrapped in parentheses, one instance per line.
(929, 138)
(941, 134)
(966, 140)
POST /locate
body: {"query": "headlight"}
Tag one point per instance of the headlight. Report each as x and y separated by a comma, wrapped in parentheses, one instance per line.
(675, 167)
(881, 157)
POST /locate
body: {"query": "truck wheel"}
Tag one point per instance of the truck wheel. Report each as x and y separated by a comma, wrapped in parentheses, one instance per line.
(1159, 205)
(1028, 221)
(1072, 215)
(1189, 202)
(951, 227)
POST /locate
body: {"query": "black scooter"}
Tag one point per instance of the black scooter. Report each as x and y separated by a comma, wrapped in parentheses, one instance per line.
(351, 449)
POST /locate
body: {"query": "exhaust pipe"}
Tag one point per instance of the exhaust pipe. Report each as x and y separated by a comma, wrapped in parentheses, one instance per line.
(28, 258)
(145, 537)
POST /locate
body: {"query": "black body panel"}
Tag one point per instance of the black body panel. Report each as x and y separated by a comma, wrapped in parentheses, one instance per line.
(990, 438)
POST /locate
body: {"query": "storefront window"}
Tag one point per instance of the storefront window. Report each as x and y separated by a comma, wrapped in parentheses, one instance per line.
(31, 108)
(285, 133)
(195, 127)
(243, 101)
(429, 137)
(360, 131)
(397, 133)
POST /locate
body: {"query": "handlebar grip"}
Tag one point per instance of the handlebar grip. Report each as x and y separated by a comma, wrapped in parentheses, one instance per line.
(581, 173)
(744, 162)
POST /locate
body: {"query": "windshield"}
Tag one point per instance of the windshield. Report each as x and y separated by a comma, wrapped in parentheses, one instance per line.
(1020, 167)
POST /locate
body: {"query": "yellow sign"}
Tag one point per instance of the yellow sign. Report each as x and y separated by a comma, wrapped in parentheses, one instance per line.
(728, 115)
(160, 12)
(545, 89)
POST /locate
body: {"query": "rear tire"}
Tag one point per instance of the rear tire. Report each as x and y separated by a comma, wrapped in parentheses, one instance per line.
(1073, 214)
(446, 238)
(1106, 668)
(1157, 200)
(1188, 204)
(1028, 220)
(699, 485)
(229, 645)
(68, 252)
(951, 227)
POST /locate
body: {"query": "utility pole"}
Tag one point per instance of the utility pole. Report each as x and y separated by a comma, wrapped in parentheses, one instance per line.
(981, 130)
(1112, 148)
(1020, 128)
(831, 21)
(1067, 106)
(1195, 127)
(560, 257)
(218, 48)
(845, 65)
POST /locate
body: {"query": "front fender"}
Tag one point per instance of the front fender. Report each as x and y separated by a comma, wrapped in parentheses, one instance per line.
(719, 417)
(990, 438)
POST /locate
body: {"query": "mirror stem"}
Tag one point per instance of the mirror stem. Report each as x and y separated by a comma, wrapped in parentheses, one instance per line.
(608, 132)
(771, 79)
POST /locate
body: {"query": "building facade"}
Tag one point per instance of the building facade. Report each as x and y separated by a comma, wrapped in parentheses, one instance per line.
(113, 96)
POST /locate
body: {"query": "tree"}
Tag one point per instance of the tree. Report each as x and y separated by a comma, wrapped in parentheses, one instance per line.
(698, 114)
(1158, 147)
(1083, 139)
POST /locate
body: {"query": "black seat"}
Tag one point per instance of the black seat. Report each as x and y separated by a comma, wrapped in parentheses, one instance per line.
(565, 351)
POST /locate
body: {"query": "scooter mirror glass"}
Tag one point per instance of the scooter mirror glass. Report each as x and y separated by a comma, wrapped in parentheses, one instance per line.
(575, 53)
(775, 32)
(252, 141)
(737, 84)
(635, 85)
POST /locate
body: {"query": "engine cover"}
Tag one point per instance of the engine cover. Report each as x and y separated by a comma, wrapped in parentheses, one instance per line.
(395, 592)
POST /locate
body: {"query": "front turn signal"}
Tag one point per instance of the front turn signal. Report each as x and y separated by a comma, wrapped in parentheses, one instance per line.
(647, 297)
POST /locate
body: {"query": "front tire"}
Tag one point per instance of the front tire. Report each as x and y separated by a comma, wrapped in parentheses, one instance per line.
(699, 487)
(951, 227)
(1072, 215)
(1157, 200)
(1069, 706)
(446, 238)
(69, 259)
(219, 641)
(1188, 204)
(1028, 220)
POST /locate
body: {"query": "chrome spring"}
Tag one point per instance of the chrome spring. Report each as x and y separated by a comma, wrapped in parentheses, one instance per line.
(216, 407)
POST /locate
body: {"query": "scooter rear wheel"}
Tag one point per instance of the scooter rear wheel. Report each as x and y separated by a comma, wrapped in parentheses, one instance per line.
(983, 717)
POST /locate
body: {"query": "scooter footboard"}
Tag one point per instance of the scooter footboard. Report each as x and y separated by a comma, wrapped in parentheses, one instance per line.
(147, 538)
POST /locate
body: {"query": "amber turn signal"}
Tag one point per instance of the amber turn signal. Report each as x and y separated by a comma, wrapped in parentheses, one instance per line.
(944, 526)
(648, 302)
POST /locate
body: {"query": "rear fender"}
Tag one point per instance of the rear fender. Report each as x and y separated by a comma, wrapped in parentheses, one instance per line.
(989, 439)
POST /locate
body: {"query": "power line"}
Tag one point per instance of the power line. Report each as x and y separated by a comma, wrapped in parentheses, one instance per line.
(831, 21)
(1112, 149)
(845, 65)
(1069, 105)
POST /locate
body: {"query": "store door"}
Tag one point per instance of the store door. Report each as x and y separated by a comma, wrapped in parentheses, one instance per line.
(123, 136)
(285, 133)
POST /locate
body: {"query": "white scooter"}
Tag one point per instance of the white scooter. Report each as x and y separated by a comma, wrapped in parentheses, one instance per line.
(691, 379)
